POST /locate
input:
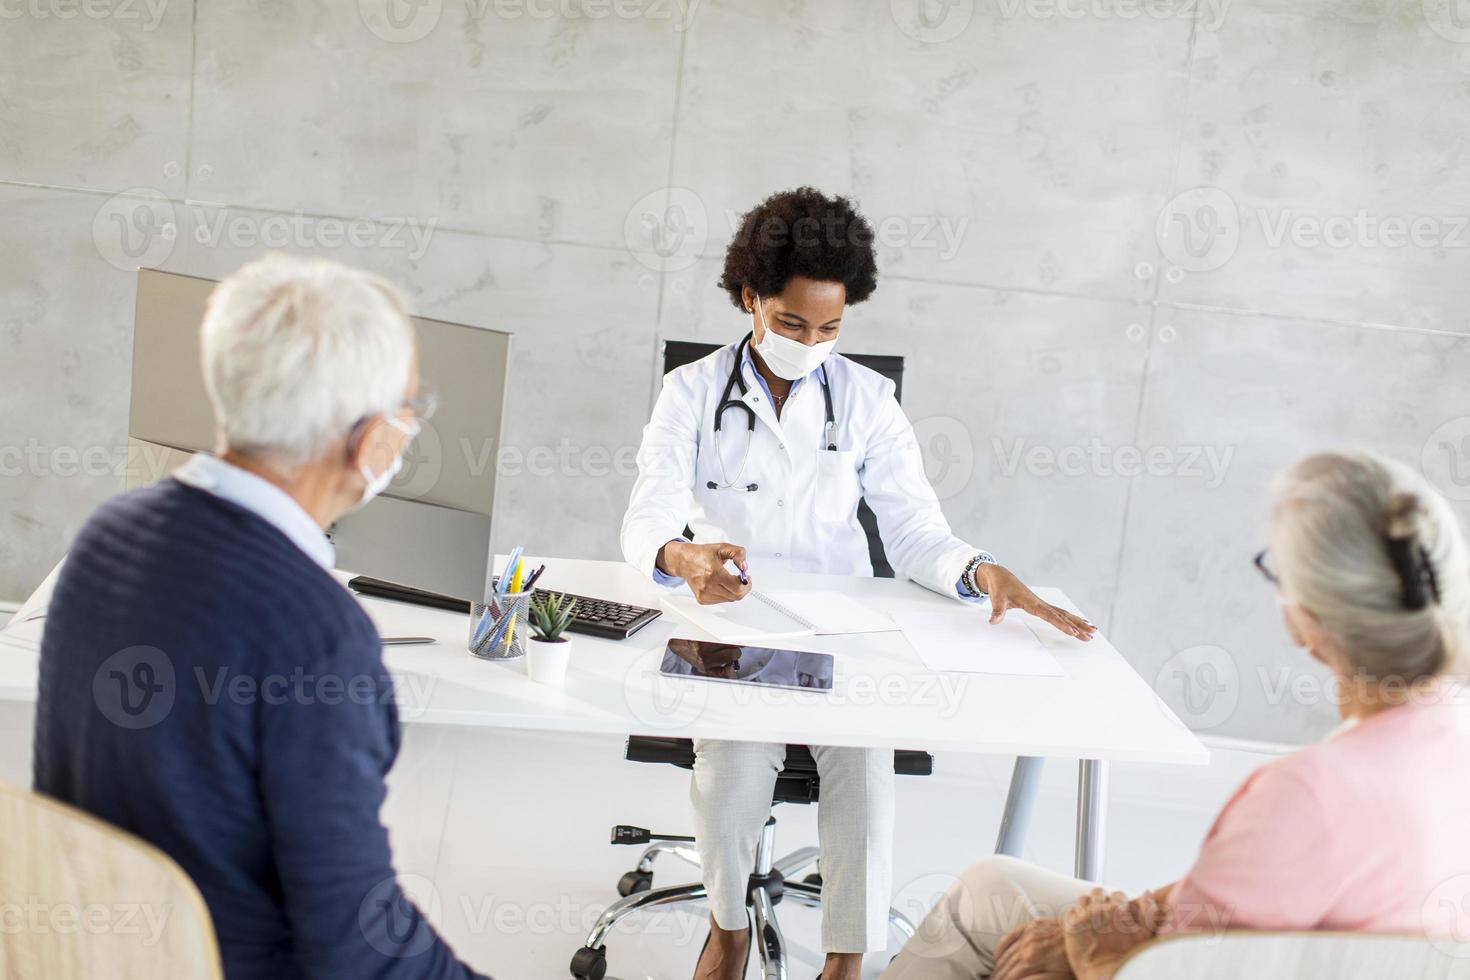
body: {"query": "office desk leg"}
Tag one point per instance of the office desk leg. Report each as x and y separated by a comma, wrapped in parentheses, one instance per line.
(1092, 817)
(1014, 822)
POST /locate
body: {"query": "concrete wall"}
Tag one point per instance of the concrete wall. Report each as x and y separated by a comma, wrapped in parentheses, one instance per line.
(1140, 255)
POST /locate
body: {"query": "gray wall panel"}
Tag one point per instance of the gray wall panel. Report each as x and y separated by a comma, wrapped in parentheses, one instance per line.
(573, 179)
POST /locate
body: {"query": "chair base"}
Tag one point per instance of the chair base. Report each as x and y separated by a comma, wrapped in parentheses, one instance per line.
(772, 882)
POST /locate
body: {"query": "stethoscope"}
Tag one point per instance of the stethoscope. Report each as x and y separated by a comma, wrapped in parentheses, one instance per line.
(736, 381)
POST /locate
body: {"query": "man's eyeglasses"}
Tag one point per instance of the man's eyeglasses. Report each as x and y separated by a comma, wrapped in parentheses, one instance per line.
(411, 415)
(1263, 565)
(422, 406)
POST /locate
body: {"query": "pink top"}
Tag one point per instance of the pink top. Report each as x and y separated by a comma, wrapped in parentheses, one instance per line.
(1367, 830)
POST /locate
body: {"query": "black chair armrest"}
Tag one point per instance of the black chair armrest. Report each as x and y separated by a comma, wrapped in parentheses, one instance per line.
(680, 752)
(666, 751)
(912, 762)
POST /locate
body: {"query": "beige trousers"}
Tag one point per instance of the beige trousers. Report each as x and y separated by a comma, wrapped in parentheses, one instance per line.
(957, 939)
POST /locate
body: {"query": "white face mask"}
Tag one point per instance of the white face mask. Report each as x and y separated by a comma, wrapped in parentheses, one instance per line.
(374, 484)
(790, 359)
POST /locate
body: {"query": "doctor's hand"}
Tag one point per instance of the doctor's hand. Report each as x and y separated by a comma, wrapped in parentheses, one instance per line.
(703, 567)
(1007, 592)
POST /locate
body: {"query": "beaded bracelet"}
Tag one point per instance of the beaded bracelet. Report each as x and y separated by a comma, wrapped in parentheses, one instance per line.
(967, 578)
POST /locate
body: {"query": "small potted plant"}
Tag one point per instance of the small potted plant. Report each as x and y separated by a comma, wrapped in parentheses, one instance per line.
(549, 651)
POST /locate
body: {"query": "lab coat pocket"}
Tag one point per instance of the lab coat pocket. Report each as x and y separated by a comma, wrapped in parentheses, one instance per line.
(837, 487)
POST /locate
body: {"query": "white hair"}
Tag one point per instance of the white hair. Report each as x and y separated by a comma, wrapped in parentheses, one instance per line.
(298, 351)
(1368, 547)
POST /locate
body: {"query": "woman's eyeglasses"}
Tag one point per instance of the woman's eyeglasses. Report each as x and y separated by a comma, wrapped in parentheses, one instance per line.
(1263, 565)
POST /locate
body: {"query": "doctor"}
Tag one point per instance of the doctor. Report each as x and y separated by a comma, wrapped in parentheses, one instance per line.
(764, 449)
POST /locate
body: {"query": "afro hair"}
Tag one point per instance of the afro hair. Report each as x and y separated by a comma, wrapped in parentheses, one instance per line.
(804, 233)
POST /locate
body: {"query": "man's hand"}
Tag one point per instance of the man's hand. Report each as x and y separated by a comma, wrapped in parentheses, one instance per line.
(1007, 592)
(1034, 951)
(1101, 930)
(703, 567)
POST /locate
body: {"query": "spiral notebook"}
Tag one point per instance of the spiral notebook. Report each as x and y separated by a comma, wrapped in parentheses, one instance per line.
(779, 614)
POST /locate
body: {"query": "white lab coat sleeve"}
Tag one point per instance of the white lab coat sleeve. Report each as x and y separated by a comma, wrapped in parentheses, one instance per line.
(663, 493)
(916, 537)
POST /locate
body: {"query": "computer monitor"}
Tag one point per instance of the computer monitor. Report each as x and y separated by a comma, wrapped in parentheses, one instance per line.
(432, 527)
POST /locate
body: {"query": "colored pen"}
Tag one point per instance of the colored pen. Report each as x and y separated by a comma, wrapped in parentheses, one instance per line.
(515, 586)
(502, 584)
(526, 586)
(497, 633)
(487, 619)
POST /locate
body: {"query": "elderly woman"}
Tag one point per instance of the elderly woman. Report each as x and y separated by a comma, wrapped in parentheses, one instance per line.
(1352, 833)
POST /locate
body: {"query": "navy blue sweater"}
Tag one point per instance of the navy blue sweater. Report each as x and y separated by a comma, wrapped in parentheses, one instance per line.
(207, 686)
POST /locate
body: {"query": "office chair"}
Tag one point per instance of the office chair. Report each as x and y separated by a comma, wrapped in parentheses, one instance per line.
(61, 858)
(772, 880)
(677, 353)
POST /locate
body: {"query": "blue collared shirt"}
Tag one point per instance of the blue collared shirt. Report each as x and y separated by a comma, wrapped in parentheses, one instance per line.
(262, 498)
(660, 577)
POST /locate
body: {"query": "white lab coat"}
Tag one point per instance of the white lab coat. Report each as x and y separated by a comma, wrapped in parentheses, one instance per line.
(803, 517)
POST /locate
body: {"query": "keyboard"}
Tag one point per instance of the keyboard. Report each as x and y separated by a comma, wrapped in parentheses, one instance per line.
(594, 617)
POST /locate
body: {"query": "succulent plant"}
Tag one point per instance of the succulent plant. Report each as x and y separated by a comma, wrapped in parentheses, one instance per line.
(551, 614)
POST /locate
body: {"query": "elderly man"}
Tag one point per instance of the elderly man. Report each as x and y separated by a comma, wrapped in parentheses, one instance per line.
(208, 685)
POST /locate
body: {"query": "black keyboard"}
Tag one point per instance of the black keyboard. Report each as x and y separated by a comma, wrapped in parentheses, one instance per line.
(594, 617)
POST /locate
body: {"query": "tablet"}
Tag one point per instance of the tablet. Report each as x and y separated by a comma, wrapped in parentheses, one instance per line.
(710, 660)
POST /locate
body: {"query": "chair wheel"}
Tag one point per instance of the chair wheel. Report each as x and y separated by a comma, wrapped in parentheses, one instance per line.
(589, 963)
(635, 881)
(815, 878)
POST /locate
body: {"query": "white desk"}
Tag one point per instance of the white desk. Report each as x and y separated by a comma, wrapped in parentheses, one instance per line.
(884, 697)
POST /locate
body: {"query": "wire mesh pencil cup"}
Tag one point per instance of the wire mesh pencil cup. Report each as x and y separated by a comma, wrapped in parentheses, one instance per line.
(499, 629)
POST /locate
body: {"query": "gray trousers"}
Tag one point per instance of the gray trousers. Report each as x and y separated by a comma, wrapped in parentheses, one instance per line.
(731, 793)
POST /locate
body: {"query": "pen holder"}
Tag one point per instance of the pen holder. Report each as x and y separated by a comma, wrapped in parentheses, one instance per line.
(499, 630)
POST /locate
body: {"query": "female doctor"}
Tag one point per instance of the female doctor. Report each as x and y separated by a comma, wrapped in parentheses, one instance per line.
(763, 449)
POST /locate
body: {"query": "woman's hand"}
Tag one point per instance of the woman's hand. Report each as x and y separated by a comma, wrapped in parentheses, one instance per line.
(1101, 930)
(703, 567)
(1034, 951)
(1007, 592)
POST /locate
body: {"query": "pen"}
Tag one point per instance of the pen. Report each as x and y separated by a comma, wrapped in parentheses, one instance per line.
(404, 641)
(502, 584)
(526, 586)
(482, 628)
(495, 636)
(515, 586)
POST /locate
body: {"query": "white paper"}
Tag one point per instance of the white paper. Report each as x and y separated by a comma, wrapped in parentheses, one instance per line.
(751, 621)
(747, 622)
(963, 639)
(833, 613)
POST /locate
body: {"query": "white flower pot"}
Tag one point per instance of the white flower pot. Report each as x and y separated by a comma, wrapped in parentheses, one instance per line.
(546, 663)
